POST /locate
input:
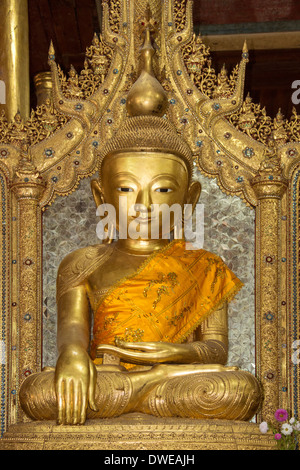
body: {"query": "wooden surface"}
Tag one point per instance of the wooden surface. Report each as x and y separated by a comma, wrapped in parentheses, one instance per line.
(251, 11)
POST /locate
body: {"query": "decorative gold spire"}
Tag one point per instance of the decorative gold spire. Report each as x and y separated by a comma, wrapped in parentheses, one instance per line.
(145, 129)
(147, 97)
(245, 53)
(51, 53)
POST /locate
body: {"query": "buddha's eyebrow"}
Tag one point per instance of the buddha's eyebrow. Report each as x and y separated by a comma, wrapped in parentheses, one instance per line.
(124, 174)
(166, 176)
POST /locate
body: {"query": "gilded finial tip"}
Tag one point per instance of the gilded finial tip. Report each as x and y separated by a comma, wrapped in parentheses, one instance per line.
(51, 53)
(245, 53)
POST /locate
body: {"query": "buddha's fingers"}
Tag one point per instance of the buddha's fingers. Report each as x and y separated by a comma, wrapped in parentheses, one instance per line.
(83, 408)
(92, 387)
(106, 348)
(69, 401)
(60, 393)
(147, 346)
(77, 403)
(139, 357)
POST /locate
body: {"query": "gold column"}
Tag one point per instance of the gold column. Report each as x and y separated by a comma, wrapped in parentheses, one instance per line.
(28, 186)
(269, 190)
(43, 87)
(14, 57)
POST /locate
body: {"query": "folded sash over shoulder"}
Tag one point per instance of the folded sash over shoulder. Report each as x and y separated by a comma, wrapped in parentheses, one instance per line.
(166, 299)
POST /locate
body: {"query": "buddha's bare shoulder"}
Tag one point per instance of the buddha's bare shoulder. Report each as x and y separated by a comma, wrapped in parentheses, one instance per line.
(83, 257)
(79, 264)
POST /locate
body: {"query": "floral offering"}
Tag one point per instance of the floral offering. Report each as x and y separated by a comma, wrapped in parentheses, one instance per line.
(286, 430)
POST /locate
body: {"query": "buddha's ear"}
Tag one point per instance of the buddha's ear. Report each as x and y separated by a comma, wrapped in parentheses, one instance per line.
(194, 192)
(97, 193)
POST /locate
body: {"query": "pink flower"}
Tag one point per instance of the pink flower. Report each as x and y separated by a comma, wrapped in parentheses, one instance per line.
(277, 436)
(281, 415)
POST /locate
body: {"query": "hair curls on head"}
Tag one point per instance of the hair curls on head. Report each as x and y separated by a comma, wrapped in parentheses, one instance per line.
(148, 134)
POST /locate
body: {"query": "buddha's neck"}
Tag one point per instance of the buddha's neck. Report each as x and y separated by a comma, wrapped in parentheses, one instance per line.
(140, 247)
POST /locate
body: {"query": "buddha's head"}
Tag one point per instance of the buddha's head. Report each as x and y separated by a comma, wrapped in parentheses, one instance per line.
(146, 163)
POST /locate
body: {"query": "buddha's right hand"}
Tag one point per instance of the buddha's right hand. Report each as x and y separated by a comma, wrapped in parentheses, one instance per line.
(75, 382)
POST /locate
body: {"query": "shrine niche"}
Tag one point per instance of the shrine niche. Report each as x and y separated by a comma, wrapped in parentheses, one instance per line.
(248, 165)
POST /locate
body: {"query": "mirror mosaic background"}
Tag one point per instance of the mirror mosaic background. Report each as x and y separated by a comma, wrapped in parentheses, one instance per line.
(70, 223)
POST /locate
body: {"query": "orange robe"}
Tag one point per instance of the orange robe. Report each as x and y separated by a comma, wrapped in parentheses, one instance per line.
(166, 299)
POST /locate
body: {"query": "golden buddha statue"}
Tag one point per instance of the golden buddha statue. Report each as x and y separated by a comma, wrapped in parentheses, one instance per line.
(223, 89)
(147, 295)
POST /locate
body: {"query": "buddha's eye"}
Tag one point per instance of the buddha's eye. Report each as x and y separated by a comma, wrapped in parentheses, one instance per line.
(163, 190)
(125, 190)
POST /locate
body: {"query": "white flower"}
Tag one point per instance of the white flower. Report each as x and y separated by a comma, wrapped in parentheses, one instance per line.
(263, 427)
(286, 429)
(292, 421)
(296, 426)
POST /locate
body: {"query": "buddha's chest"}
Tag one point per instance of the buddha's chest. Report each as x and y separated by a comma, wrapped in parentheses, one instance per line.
(118, 267)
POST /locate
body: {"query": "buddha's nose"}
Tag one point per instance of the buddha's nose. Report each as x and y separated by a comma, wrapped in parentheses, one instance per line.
(143, 201)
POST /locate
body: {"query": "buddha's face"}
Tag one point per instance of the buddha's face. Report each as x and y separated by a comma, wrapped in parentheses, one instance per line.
(136, 183)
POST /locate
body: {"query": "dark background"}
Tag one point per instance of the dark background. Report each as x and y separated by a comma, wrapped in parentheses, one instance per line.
(270, 73)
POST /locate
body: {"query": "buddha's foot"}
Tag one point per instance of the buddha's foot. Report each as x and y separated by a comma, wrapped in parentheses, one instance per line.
(192, 391)
(216, 393)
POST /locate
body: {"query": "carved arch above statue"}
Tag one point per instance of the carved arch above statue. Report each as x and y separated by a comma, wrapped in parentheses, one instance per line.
(232, 139)
(228, 137)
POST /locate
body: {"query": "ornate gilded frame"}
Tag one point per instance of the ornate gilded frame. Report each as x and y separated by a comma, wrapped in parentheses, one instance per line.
(251, 155)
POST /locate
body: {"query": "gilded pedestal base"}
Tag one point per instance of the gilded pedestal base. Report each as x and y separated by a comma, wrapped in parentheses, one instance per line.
(138, 432)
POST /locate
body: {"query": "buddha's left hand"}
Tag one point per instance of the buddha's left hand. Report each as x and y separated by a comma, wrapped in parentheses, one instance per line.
(150, 352)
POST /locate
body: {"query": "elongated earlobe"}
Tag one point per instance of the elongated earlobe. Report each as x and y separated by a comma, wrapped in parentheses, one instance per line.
(97, 193)
(98, 196)
(194, 192)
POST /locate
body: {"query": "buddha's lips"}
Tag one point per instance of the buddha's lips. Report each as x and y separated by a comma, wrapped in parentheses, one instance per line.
(143, 220)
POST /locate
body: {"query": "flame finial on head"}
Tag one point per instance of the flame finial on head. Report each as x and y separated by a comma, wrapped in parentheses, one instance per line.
(147, 97)
(145, 128)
